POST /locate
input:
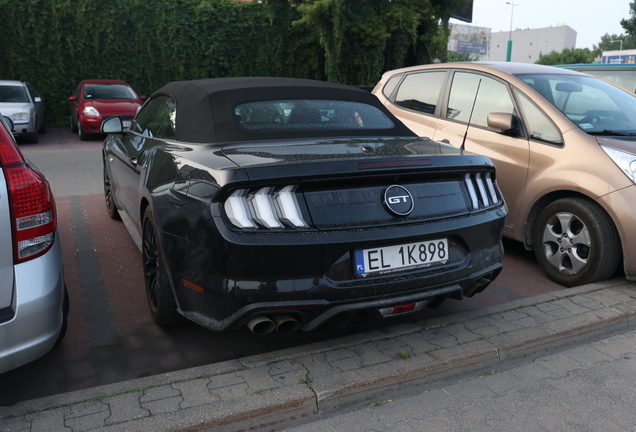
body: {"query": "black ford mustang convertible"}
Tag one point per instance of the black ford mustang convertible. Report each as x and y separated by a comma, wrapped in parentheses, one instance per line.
(283, 203)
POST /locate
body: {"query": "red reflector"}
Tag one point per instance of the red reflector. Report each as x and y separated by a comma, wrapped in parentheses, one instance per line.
(193, 286)
(404, 308)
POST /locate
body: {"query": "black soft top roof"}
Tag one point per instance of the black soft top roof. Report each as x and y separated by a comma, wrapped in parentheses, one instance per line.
(205, 108)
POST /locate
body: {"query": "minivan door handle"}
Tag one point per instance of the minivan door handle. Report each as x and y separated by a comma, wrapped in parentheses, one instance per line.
(133, 160)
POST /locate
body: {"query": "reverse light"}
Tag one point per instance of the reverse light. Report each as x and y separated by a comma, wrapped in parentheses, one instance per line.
(266, 207)
(91, 111)
(624, 160)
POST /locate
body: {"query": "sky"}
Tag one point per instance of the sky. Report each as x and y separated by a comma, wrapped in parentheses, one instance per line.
(591, 19)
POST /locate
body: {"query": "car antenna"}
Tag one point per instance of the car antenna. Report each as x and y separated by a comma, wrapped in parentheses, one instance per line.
(463, 146)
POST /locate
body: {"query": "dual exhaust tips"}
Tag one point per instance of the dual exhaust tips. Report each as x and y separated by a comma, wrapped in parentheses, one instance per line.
(262, 325)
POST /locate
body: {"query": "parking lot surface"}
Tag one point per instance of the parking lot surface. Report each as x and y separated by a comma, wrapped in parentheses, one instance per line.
(111, 335)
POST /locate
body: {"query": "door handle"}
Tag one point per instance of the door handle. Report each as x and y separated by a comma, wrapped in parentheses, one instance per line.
(133, 160)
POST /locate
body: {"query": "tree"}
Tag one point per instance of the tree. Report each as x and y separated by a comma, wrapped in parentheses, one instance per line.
(630, 24)
(362, 39)
(567, 56)
(610, 43)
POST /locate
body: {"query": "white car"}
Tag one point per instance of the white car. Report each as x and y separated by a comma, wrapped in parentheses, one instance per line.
(22, 103)
(33, 298)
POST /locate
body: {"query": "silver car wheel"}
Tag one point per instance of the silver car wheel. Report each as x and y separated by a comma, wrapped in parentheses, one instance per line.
(566, 243)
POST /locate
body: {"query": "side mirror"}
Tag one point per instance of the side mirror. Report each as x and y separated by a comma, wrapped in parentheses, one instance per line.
(8, 122)
(37, 99)
(143, 98)
(112, 125)
(72, 98)
(506, 123)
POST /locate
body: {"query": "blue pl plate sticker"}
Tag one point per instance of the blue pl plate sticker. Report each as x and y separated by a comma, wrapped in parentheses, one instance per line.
(360, 262)
(586, 126)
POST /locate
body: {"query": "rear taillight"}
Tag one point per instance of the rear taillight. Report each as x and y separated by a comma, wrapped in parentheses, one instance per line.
(268, 208)
(33, 217)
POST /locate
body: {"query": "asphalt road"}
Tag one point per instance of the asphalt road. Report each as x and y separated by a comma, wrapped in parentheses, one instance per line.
(111, 335)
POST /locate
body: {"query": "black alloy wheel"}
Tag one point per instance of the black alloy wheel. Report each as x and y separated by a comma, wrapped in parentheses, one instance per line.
(163, 306)
(111, 207)
(576, 243)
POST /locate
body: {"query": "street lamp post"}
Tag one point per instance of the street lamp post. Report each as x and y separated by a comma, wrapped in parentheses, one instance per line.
(509, 51)
(620, 49)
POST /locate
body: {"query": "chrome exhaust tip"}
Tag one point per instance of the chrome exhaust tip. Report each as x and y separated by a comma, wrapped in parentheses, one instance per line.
(286, 324)
(261, 325)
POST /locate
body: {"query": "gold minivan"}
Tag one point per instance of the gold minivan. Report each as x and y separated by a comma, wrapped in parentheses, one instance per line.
(564, 145)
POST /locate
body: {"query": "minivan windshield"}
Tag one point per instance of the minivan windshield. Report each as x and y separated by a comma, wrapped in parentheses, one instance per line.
(592, 104)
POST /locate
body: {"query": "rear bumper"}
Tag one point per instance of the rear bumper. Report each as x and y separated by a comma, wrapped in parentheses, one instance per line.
(310, 275)
(314, 313)
(38, 310)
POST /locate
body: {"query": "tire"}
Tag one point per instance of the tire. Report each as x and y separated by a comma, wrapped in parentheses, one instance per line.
(73, 125)
(163, 306)
(111, 207)
(42, 129)
(576, 243)
(83, 136)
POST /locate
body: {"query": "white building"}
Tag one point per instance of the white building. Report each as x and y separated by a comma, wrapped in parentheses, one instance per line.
(527, 45)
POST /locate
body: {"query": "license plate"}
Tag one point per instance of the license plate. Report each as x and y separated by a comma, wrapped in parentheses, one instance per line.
(126, 123)
(390, 259)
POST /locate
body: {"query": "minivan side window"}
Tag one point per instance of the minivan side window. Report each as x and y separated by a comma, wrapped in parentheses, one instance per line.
(492, 97)
(420, 91)
(390, 85)
(539, 125)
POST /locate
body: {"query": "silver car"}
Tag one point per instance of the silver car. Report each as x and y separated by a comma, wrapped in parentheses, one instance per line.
(22, 103)
(33, 297)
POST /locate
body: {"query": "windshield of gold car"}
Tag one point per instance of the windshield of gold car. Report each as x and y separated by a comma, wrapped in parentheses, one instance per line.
(594, 105)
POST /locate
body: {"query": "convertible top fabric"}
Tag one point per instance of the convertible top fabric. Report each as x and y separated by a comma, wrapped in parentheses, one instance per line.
(205, 108)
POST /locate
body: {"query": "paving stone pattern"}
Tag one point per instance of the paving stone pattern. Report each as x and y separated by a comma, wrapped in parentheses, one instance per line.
(506, 367)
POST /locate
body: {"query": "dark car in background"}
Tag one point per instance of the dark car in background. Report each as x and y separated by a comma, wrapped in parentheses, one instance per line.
(21, 102)
(33, 299)
(284, 203)
(97, 100)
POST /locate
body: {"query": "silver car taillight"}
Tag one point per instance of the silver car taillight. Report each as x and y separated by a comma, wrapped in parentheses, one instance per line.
(481, 190)
(32, 205)
(266, 207)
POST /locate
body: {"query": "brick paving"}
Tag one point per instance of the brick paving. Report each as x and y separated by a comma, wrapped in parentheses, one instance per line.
(448, 366)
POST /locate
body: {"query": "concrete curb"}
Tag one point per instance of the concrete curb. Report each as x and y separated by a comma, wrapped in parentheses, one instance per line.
(293, 386)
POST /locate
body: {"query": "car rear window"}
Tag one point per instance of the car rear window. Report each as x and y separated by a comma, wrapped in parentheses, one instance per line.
(310, 114)
(13, 93)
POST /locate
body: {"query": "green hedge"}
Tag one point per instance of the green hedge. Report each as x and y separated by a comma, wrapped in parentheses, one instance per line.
(56, 43)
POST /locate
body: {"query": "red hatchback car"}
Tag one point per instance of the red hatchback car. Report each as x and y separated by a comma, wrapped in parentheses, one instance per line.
(97, 100)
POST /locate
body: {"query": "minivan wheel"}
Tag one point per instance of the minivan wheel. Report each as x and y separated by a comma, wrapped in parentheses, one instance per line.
(576, 242)
(73, 125)
(163, 306)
